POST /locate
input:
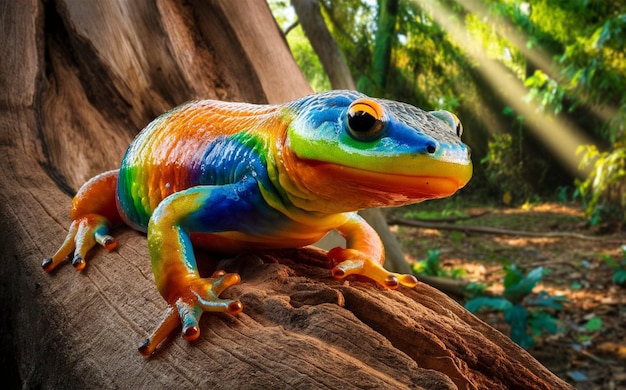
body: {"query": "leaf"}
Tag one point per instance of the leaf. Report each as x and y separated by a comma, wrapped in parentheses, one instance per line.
(512, 275)
(602, 35)
(432, 262)
(457, 273)
(418, 267)
(594, 324)
(500, 304)
(517, 318)
(516, 292)
(619, 276)
(543, 299)
(507, 111)
(541, 321)
(610, 261)
(475, 288)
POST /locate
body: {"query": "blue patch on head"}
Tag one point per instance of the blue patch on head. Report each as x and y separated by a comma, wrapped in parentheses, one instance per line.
(320, 130)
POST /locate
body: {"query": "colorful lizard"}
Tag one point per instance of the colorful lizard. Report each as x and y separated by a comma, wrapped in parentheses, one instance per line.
(235, 176)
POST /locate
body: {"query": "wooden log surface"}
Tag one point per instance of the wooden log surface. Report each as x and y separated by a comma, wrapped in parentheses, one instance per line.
(78, 80)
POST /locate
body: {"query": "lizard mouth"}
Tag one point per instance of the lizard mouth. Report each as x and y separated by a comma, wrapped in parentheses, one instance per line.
(349, 189)
(395, 189)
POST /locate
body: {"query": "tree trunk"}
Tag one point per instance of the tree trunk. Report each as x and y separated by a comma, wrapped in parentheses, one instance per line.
(381, 57)
(327, 50)
(78, 80)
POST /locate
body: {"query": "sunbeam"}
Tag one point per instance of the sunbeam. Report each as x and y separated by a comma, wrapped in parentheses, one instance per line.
(560, 135)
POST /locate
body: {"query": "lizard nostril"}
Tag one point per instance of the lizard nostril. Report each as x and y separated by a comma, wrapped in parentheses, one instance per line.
(431, 148)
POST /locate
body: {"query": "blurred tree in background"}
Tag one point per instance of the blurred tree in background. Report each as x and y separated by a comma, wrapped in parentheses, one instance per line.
(532, 81)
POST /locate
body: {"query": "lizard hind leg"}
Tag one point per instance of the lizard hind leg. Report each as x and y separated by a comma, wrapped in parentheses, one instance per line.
(94, 210)
(84, 233)
(354, 262)
(364, 256)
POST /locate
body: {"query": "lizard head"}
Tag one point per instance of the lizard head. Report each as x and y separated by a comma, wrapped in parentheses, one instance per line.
(352, 151)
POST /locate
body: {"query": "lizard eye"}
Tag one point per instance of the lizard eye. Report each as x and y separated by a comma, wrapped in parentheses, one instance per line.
(365, 119)
(459, 127)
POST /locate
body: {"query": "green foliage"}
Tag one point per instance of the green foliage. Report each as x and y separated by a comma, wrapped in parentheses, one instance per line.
(498, 304)
(504, 168)
(595, 63)
(517, 285)
(545, 90)
(300, 46)
(474, 289)
(589, 330)
(570, 56)
(619, 267)
(495, 45)
(307, 60)
(587, 43)
(604, 190)
(587, 40)
(522, 311)
(594, 324)
(619, 276)
(431, 266)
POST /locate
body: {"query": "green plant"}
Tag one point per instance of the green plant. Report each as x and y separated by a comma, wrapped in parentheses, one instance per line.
(546, 91)
(431, 266)
(505, 168)
(603, 192)
(587, 332)
(474, 289)
(522, 311)
(619, 267)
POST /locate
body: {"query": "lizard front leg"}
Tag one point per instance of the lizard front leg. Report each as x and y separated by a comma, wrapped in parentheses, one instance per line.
(202, 209)
(364, 255)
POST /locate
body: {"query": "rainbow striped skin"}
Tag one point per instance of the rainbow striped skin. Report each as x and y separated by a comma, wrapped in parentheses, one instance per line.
(234, 176)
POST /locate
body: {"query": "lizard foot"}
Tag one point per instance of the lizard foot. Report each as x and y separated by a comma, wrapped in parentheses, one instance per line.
(202, 294)
(354, 262)
(85, 232)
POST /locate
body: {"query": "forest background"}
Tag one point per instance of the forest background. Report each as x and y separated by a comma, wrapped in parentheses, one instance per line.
(540, 87)
(80, 79)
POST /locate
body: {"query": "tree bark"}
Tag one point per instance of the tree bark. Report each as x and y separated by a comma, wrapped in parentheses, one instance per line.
(78, 79)
(381, 57)
(328, 51)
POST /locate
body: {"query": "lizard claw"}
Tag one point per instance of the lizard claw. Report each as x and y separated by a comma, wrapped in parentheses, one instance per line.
(201, 295)
(354, 262)
(84, 233)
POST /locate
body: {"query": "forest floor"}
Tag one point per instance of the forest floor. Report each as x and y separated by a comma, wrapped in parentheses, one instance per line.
(589, 350)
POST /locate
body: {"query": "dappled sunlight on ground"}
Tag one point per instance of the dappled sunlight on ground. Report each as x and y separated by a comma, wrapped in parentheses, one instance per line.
(590, 349)
(522, 242)
(554, 208)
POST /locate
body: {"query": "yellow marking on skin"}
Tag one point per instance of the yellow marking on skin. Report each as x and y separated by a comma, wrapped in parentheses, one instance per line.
(369, 106)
